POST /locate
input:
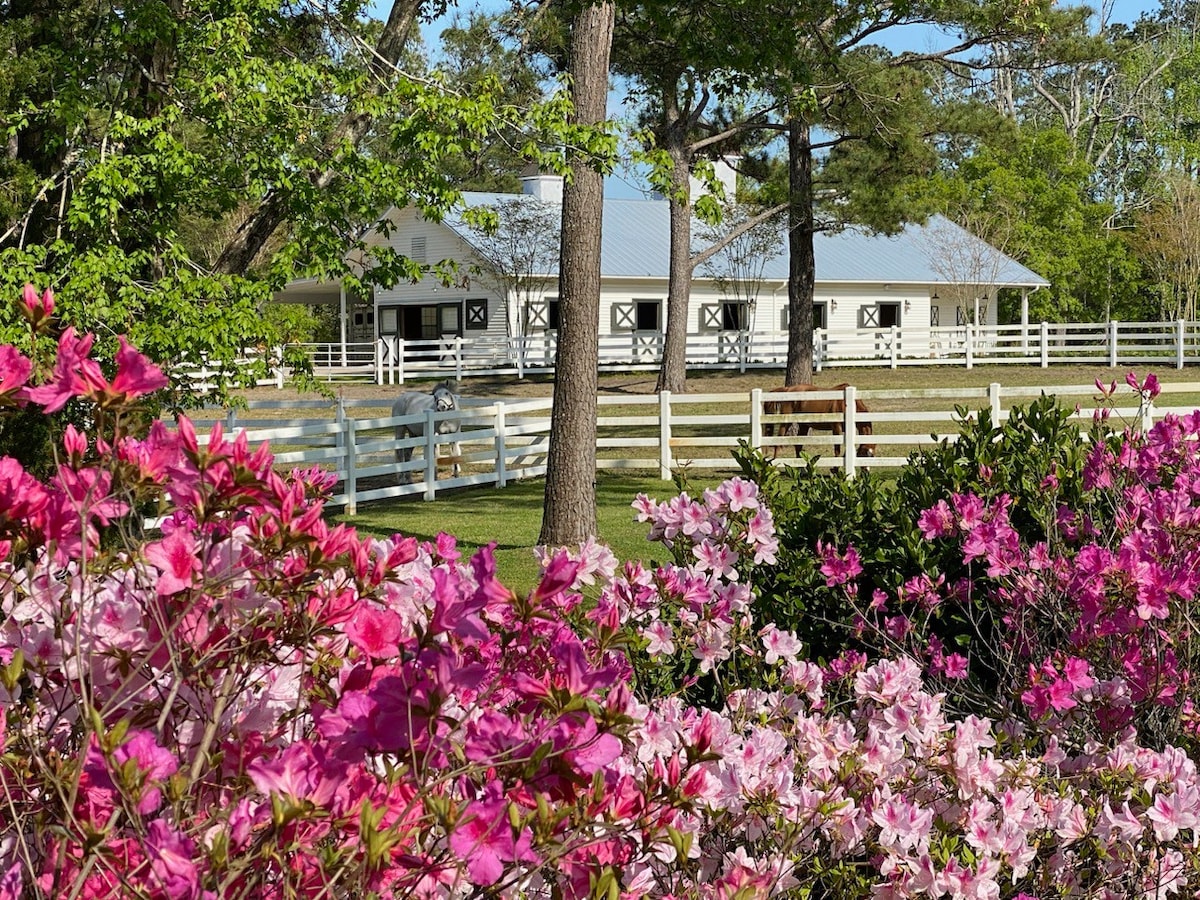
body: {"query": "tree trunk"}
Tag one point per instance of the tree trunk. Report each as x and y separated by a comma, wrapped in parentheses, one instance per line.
(256, 229)
(802, 268)
(673, 374)
(569, 510)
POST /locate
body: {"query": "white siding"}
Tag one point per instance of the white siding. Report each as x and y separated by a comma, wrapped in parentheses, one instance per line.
(441, 243)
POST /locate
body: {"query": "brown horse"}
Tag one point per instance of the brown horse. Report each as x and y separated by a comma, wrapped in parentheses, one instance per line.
(805, 407)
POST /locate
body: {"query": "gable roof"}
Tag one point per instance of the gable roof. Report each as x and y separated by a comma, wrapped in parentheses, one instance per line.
(636, 244)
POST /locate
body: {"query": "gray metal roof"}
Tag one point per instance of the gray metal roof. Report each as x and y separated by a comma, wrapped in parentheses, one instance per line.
(636, 244)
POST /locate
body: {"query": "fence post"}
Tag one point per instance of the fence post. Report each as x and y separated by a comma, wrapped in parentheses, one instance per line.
(339, 437)
(1180, 331)
(1045, 338)
(969, 344)
(1147, 415)
(230, 421)
(398, 358)
(994, 401)
(818, 348)
(756, 413)
(351, 469)
(279, 368)
(743, 341)
(895, 345)
(379, 361)
(664, 435)
(849, 446)
(520, 342)
(393, 361)
(430, 456)
(501, 448)
(1112, 344)
(458, 359)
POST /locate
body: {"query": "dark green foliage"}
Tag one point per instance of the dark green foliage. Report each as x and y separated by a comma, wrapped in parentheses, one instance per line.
(1036, 457)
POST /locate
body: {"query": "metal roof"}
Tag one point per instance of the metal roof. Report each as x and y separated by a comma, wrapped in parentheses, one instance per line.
(636, 244)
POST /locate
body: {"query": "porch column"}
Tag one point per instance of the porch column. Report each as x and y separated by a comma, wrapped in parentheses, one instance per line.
(342, 319)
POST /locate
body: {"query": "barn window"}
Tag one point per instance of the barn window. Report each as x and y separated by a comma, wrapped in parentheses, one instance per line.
(477, 314)
(647, 315)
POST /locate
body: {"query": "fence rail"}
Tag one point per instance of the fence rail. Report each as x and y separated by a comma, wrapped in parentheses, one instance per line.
(394, 360)
(505, 441)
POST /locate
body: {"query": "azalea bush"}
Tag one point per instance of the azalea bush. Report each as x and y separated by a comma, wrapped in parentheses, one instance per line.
(240, 700)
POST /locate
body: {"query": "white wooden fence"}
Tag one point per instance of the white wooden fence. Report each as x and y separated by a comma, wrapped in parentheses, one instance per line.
(504, 441)
(394, 360)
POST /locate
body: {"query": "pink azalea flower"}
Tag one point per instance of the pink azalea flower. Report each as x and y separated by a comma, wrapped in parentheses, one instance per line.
(780, 645)
(175, 558)
(660, 637)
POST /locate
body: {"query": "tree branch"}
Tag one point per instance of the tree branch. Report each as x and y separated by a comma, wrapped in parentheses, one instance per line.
(709, 252)
(254, 232)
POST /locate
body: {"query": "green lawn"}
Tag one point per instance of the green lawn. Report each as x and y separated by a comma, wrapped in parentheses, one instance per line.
(513, 516)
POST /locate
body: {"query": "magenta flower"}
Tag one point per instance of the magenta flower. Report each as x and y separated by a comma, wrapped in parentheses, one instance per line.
(173, 870)
(838, 568)
(15, 369)
(374, 631)
(136, 376)
(483, 839)
(74, 373)
(38, 307)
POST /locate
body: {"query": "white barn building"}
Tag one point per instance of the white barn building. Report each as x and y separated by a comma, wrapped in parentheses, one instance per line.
(925, 276)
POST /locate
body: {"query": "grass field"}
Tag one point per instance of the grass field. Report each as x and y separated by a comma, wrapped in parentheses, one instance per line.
(512, 518)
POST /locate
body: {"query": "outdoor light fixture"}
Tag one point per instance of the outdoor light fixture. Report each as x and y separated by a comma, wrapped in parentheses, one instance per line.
(907, 305)
(833, 306)
(934, 298)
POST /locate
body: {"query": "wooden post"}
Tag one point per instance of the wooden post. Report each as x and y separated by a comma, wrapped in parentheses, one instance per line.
(430, 456)
(969, 344)
(379, 360)
(664, 435)
(339, 436)
(351, 469)
(501, 448)
(1045, 338)
(756, 414)
(1180, 332)
(1112, 344)
(994, 401)
(398, 357)
(849, 445)
(230, 422)
(895, 345)
(458, 359)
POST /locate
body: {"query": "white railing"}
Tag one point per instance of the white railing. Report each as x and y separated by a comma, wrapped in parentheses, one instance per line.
(506, 441)
(394, 360)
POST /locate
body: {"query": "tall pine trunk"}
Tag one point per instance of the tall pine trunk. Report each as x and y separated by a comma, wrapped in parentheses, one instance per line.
(672, 376)
(802, 268)
(569, 509)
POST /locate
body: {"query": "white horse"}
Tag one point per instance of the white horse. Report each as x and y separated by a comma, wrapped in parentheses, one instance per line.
(411, 403)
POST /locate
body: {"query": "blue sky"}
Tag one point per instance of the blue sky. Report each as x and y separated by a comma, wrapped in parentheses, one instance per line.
(626, 185)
